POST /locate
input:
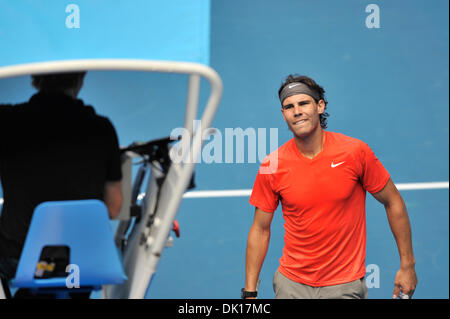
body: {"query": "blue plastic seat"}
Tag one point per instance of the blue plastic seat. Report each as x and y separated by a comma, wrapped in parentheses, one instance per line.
(84, 227)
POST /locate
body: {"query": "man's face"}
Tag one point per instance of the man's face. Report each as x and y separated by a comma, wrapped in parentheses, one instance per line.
(301, 114)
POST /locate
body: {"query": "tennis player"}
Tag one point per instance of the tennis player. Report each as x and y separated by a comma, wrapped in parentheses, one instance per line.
(321, 179)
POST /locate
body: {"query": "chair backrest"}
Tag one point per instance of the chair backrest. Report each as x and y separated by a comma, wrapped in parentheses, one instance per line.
(84, 226)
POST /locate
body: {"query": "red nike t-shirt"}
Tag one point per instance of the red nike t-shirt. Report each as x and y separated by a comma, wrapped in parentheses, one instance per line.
(323, 203)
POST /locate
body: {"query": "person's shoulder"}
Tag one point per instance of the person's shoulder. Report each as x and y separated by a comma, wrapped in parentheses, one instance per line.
(105, 121)
(345, 141)
(278, 157)
(351, 145)
(12, 106)
(10, 116)
(5, 108)
(102, 121)
(86, 109)
(89, 111)
(281, 152)
(8, 110)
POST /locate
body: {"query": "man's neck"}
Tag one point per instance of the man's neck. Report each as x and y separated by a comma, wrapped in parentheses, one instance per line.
(310, 146)
(71, 93)
(68, 92)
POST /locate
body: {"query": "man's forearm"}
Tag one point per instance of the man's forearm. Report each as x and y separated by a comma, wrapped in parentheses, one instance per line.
(257, 245)
(401, 229)
(113, 198)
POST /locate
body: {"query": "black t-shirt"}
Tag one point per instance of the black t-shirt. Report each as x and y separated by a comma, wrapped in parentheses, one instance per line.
(52, 148)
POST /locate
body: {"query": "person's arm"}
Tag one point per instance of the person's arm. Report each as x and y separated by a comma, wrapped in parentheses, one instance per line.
(257, 245)
(113, 198)
(406, 278)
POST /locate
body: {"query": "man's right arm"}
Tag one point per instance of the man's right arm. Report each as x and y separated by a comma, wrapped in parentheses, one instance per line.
(113, 198)
(257, 245)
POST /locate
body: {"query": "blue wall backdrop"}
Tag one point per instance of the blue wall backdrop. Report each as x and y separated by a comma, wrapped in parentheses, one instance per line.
(44, 30)
(387, 86)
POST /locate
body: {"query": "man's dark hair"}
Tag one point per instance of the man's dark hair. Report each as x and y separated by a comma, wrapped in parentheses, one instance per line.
(57, 81)
(313, 86)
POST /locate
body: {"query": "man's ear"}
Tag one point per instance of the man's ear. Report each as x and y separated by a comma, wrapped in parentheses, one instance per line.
(321, 105)
(282, 113)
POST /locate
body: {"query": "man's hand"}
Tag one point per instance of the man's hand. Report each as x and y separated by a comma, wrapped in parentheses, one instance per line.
(405, 281)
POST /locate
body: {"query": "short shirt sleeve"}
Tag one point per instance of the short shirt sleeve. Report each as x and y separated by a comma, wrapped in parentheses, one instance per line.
(263, 195)
(113, 164)
(373, 174)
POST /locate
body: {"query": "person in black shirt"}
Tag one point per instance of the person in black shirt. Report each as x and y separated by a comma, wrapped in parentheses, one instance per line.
(53, 148)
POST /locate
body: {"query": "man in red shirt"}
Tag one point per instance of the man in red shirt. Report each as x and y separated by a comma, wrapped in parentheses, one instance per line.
(321, 179)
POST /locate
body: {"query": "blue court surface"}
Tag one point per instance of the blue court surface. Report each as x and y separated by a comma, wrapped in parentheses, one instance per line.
(387, 84)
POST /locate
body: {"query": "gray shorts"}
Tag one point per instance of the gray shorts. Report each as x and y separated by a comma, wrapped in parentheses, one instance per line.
(286, 288)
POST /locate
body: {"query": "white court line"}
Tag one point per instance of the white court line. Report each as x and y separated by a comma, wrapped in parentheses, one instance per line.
(221, 193)
(418, 186)
(247, 192)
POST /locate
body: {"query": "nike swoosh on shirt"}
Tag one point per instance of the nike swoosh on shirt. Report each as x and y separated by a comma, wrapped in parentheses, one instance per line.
(336, 165)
